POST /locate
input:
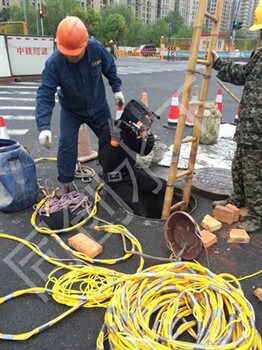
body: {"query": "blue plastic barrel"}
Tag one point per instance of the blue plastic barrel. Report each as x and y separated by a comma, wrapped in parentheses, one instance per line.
(18, 180)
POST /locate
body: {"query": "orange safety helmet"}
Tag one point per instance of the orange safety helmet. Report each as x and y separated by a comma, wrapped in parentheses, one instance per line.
(257, 18)
(71, 36)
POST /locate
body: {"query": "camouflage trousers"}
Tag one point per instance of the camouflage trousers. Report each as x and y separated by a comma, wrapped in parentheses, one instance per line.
(247, 180)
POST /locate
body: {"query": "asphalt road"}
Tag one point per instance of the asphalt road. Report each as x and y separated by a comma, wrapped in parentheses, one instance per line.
(21, 268)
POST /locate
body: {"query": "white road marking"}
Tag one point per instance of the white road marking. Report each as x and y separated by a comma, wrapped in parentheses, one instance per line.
(18, 107)
(19, 117)
(17, 131)
(17, 99)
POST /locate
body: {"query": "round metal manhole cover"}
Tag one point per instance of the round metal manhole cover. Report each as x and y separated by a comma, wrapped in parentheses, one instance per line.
(215, 183)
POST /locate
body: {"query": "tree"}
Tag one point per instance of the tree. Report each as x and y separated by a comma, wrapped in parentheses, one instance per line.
(114, 27)
(155, 30)
(185, 32)
(132, 24)
(136, 33)
(175, 18)
(55, 11)
(5, 15)
(121, 10)
(16, 14)
(91, 18)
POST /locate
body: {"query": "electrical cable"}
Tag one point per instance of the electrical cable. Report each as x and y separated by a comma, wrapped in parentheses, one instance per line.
(156, 308)
(162, 305)
(117, 229)
(97, 276)
(171, 293)
(84, 172)
(45, 200)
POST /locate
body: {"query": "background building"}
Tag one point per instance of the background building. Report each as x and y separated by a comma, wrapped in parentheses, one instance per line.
(241, 10)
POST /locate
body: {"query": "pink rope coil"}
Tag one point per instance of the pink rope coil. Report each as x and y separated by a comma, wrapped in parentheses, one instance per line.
(71, 201)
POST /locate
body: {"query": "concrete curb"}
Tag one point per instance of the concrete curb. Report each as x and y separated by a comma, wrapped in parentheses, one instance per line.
(22, 78)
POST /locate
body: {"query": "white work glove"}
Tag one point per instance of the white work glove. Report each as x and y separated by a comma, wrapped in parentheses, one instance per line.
(119, 98)
(215, 55)
(45, 138)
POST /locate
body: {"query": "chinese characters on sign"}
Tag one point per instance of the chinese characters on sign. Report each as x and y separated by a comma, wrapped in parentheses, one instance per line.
(28, 54)
(32, 51)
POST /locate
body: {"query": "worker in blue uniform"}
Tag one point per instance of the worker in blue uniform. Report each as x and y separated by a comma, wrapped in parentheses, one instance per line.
(75, 71)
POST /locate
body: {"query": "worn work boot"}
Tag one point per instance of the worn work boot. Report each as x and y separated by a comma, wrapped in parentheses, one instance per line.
(250, 226)
(62, 190)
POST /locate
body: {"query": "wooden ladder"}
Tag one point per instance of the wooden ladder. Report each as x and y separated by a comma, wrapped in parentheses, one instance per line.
(184, 106)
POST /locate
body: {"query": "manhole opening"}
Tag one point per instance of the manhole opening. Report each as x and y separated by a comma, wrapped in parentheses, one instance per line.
(149, 202)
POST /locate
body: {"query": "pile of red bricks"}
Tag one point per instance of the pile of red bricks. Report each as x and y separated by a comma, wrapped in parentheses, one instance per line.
(228, 214)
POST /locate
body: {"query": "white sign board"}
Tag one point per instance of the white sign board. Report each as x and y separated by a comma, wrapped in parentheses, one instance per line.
(4, 64)
(28, 54)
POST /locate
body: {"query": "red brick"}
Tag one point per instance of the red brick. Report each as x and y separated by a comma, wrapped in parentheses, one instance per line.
(243, 214)
(224, 214)
(210, 224)
(85, 245)
(238, 236)
(208, 238)
(258, 293)
(235, 210)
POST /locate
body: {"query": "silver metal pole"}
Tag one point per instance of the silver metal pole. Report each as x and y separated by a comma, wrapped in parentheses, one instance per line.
(36, 17)
(233, 38)
(41, 18)
(24, 10)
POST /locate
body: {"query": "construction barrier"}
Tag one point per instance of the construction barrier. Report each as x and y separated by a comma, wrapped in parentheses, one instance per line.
(219, 101)
(4, 66)
(235, 121)
(173, 112)
(3, 130)
(23, 54)
(119, 111)
(85, 151)
(26, 55)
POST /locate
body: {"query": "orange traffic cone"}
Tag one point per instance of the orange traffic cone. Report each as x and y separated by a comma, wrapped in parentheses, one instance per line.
(173, 112)
(85, 152)
(119, 111)
(235, 122)
(219, 101)
(144, 98)
(3, 130)
(193, 106)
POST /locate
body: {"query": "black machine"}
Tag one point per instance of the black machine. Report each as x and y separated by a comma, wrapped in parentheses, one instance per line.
(138, 116)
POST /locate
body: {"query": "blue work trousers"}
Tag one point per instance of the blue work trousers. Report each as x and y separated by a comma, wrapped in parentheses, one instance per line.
(68, 141)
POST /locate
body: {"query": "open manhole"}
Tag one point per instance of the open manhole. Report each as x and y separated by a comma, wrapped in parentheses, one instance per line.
(148, 200)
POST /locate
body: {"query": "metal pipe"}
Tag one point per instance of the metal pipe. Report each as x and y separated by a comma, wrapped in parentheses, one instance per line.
(41, 18)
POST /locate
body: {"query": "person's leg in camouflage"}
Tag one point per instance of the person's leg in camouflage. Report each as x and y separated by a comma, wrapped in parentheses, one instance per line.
(252, 177)
(237, 197)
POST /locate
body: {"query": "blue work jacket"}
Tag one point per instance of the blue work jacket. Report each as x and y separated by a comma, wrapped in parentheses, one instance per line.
(81, 87)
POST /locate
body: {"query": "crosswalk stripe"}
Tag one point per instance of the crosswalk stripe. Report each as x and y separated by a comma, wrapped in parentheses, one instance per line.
(18, 107)
(27, 83)
(17, 87)
(17, 93)
(17, 131)
(17, 99)
(19, 117)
